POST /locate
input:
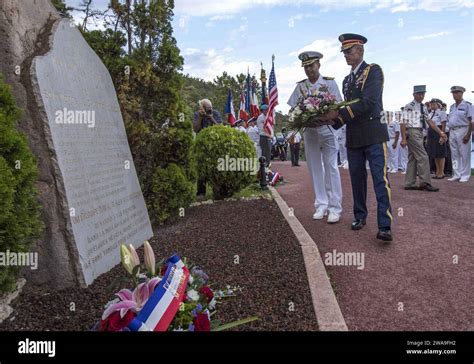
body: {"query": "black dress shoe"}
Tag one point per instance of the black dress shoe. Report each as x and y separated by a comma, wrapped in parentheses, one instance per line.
(385, 235)
(357, 224)
(429, 188)
(412, 188)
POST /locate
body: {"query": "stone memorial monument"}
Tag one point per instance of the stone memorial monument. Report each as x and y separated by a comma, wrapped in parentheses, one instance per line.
(89, 190)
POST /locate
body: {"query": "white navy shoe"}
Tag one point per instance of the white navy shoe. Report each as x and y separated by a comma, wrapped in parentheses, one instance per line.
(454, 179)
(463, 180)
(319, 214)
(333, 218)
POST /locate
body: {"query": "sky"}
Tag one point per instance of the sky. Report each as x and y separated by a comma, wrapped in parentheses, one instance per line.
(416, 42)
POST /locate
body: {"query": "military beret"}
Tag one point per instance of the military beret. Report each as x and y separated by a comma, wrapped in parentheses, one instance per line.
(349, 40)
(419, 89)
(309, 57)
(238, 122)
(263, 107)
(458, 89)
(436, 101)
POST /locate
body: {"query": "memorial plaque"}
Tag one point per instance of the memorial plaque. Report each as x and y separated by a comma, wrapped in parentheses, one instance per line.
(85, 132)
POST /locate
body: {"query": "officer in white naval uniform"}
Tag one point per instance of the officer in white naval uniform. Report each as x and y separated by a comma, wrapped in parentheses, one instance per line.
(320, 143)
(392, 146)
(402, 152)
(460, 131)
(341, 141)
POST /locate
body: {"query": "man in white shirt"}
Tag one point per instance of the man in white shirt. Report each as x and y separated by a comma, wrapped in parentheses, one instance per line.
(394, 134)
(402, 151)
(239, 125)
(460, 131)
(254, 135)
(341, 141)
(265, 138)
(320, 143)
(294, 138)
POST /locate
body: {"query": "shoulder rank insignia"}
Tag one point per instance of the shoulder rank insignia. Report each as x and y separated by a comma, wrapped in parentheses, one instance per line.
(328, 78)
(302, 80)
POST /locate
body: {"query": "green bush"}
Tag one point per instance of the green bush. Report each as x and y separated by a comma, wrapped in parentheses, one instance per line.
(171, 191)
(216, 145)
(19, 209)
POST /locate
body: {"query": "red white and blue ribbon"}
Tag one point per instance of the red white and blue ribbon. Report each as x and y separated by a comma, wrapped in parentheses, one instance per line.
(163, 304)
(275, 178)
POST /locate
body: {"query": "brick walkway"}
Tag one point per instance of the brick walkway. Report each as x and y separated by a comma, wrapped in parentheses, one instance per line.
(411, 284)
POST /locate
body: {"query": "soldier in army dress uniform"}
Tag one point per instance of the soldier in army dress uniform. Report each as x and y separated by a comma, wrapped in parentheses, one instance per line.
(366, 134)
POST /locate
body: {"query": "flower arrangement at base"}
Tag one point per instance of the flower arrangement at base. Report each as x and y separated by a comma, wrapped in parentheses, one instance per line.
(167, 296)
(313, 105)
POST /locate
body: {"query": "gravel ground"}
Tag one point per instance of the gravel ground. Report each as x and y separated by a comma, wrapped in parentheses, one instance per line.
(253, 234)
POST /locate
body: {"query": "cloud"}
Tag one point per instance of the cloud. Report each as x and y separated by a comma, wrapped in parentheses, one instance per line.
(207, 64)
(428, 36)
(291, 20)
(216, 18)
(241, 31)
(219, 7)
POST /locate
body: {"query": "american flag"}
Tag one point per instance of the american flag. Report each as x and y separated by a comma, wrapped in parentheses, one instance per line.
(273, 100)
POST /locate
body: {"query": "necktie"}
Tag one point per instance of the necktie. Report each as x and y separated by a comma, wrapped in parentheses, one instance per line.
(422, 117)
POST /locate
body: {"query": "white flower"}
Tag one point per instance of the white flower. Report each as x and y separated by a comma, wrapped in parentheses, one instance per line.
(191, 279)
(310, 107)
(212, 304)
(297, 111)
(193, 295)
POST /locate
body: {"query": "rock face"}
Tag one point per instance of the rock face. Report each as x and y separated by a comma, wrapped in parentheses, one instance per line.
(88, 186)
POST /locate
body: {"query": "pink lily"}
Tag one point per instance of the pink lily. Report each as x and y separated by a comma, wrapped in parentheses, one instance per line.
(132, 300)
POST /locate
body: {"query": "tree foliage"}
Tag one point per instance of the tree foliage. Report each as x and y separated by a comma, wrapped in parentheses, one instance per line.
(140, 52)
(19, 208)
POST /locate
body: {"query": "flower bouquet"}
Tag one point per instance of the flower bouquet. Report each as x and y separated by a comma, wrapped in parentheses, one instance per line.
(307, 111)
(167, 296)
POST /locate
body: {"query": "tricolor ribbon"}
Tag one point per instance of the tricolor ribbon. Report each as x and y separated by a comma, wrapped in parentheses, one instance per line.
(275, 178)
(163, 304)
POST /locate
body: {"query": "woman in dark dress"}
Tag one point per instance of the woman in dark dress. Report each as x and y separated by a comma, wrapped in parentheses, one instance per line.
(436, 147)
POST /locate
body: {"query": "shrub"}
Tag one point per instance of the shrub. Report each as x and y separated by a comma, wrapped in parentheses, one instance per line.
(19, 208)
(171, 191)
(219, 151)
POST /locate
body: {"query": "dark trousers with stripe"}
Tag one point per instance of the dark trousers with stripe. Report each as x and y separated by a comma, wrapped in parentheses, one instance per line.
(377, 156)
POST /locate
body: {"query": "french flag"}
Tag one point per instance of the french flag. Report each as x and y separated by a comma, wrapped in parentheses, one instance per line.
(242, 112)
(254, 110)
(229, 109)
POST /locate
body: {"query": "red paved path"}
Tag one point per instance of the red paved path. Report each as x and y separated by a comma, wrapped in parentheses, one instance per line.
(416, 269)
